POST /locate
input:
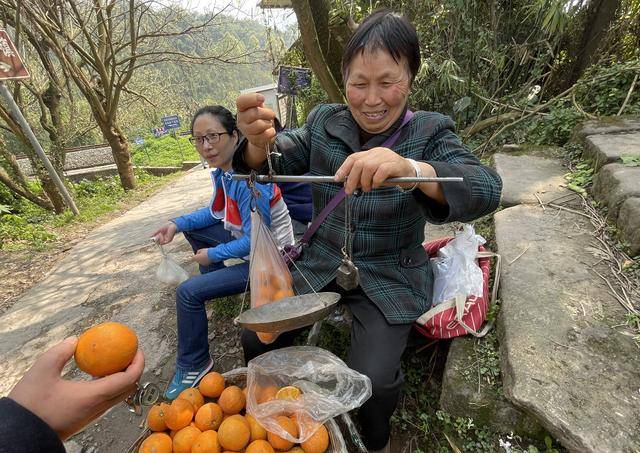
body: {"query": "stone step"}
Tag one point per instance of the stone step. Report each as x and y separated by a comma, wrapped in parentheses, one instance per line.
(629, 224)
(606, 141)
(607, 125)
(530, 179)
(604, 149)
(614, 184)
(466, 393)
(565, 359)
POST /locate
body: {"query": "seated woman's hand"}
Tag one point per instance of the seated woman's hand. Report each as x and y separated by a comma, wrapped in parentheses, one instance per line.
(166, 233)
(202, 257)
(254, 120)
(369, 169)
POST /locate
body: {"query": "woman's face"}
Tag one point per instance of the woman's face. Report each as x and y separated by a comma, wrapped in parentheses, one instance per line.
(377, 89)
(220, 153)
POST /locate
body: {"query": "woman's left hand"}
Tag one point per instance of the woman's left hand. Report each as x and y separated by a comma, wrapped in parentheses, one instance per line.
(202, 257)
(368, 169)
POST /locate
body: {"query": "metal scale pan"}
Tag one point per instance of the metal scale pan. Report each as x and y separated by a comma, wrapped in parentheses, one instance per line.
(289, 313)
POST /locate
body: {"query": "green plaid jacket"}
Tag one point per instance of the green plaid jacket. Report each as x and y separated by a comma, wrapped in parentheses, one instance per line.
(388, 225)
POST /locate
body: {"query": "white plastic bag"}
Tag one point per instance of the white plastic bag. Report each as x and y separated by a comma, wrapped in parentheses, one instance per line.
(329, 388)
(169, 271)
(455, 269)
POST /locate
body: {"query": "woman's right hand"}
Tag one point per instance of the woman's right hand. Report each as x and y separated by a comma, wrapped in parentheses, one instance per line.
(165, 234)
(254, 120)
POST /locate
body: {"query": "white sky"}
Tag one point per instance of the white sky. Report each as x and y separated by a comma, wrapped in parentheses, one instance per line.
(243, 9)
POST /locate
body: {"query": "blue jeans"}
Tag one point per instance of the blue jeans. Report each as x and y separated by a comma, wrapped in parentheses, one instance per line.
(217, 280)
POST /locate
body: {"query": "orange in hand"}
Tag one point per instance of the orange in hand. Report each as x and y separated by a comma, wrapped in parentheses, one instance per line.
(106, 349)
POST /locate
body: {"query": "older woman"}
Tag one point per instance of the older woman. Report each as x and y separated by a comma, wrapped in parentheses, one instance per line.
(395, 281)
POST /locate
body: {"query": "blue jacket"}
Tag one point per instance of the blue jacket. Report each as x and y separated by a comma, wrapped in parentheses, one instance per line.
(231, 204)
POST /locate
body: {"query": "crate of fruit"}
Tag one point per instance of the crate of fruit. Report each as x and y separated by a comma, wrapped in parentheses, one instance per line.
(213, 418)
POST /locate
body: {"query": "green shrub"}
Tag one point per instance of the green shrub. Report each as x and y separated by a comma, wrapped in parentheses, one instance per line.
(165, 151)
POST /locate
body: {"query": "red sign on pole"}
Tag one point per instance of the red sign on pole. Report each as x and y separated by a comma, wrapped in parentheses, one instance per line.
(11, 65)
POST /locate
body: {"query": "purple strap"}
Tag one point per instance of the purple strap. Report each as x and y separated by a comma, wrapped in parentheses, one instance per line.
(337, 198)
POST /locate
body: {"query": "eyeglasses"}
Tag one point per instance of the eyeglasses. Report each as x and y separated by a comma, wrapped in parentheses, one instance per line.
(212, 138)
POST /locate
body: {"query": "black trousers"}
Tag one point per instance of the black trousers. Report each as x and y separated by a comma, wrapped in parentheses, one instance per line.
(375, 351)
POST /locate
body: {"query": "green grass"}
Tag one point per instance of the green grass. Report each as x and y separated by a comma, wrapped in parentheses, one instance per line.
(165, 151)
(29, 227)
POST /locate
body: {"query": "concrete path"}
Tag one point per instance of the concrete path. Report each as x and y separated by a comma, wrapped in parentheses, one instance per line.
(110, 275)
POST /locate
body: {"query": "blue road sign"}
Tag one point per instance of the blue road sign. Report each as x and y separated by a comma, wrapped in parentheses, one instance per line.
(171, 122)
(291, 80)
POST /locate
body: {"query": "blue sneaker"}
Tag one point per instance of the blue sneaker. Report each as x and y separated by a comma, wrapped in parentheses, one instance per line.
(184, 379)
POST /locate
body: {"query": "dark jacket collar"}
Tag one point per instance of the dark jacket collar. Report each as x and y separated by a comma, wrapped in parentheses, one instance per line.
(344, 127)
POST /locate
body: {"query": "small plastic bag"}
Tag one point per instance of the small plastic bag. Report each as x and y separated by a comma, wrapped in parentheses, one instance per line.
(269, 276)
(455, 269)
(328, 388)
(169, 271)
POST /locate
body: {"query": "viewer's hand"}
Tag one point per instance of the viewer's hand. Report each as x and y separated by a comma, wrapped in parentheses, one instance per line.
(68, 406)
(165, 234)
(368, 169)
(202, 257)
(254, 120)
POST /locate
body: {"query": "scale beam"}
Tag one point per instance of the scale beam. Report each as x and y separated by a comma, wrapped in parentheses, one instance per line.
(303, 178)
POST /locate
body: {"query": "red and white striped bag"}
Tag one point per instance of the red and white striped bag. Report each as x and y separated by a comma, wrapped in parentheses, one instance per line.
(453, 318)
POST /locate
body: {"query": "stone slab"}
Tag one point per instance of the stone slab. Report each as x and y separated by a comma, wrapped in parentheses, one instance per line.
(605, 125)
(562, 359)
(614, 183)
(629, 224)
(606, 149)
(464, 397)
(524, 177)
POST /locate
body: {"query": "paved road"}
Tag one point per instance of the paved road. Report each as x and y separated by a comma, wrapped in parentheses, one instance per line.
(109, 275)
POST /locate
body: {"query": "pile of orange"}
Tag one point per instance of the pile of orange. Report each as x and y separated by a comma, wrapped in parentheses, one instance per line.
(212, 419)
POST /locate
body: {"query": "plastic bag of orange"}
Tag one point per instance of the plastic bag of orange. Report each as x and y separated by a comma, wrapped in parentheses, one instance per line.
(306, 383)
(269, 276)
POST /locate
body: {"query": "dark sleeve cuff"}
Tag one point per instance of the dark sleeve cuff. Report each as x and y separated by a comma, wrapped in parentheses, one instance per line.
(25, 431)
(456, 195)
(238, 162)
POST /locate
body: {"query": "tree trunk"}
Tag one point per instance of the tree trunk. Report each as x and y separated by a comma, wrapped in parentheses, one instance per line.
(14, 168)
(599, 16)
(121, 155)
(51, 98)
(48, 186)
(311, 34)
(16, 188)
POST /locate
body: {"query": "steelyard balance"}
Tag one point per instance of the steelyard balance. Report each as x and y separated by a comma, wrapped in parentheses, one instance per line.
(294, 312)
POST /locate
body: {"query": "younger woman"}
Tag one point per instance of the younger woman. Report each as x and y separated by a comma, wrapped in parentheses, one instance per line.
(217, 232)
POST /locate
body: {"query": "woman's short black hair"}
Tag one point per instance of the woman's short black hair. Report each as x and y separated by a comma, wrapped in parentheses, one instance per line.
(388, 31)
(222, 114)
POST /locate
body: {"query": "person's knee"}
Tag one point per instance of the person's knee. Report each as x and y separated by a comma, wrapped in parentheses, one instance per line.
(383, 379)
(185, 297)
